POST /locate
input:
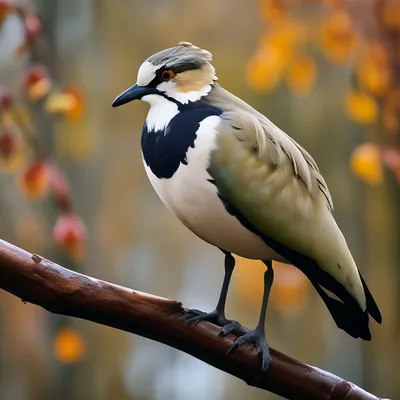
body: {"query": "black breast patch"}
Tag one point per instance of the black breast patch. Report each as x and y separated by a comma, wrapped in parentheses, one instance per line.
(165, 150)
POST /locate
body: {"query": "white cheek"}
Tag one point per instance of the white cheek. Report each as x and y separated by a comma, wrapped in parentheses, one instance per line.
(161, 111)
(170, 90)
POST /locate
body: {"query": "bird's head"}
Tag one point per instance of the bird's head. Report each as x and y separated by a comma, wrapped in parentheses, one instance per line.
(183, 73)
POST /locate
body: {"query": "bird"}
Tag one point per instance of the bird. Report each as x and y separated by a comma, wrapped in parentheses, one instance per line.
(244, 186)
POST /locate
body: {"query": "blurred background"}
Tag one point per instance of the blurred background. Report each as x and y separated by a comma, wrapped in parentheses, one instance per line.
(73, 187)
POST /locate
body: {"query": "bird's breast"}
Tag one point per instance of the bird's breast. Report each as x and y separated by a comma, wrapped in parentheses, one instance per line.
(187, 189)
(165, 149)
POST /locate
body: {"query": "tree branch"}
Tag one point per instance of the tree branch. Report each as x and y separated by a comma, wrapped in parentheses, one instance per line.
(61, 291)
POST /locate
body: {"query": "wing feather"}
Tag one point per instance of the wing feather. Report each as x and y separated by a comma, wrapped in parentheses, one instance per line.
(267, 135)
(278, 188)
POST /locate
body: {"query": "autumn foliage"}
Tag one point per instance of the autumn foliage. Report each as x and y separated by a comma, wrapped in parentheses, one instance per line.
(23, 150)
(69, 346)
(348, 34)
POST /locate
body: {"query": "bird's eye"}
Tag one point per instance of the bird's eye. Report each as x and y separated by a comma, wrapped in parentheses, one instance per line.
(167, 75)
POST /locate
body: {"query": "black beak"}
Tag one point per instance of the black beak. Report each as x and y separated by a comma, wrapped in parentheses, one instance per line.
(135, 92)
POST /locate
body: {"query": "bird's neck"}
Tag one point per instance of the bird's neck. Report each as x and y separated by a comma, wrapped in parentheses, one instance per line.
(165, 107)
(161, 112)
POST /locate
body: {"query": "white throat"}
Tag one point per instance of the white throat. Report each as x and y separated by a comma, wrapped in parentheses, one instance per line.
(161, 111)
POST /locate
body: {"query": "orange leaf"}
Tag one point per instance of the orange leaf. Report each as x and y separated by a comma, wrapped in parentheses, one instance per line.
(366, 163)
(263, 71)
(373, 77)
(69, 346)
(35, 179)
(302, 74)
(75, 112)
(338, 38)
(361, 108)
(266, 68)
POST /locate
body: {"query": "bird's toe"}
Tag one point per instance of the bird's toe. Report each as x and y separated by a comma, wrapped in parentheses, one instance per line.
(234, 328)
(264, 354)
(257, 338)
(215, 317)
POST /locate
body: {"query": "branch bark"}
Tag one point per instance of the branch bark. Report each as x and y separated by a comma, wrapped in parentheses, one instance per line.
(61, 291)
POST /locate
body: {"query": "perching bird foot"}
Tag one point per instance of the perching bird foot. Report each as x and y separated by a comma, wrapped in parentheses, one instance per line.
(257, 337)
(235, 328)
(215, 317)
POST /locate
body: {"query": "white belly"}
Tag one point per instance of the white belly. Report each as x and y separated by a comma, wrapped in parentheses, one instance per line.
(195, 202)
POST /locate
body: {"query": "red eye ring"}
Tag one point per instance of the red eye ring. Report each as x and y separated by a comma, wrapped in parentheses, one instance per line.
(167, 75)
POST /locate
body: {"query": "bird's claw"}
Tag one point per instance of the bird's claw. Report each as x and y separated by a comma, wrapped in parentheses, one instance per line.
(257, 338)
(215, 317)
(235, 328)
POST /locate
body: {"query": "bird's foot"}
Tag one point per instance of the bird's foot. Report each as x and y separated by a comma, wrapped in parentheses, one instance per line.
(215, 317)
(235, 328)
(256, 337)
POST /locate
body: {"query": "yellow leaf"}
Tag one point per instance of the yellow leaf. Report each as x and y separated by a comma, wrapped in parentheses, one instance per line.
(264, 71)
(366, 163)
(285, 37)
(69, 346)
(361, 108)
(373, 71)
(302, 74)
(267, 67)
(59, 103)
(338, 38)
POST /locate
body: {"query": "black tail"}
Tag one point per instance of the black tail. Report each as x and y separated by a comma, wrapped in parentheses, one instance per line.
(344, 309)
(372, 307)
(347, 313)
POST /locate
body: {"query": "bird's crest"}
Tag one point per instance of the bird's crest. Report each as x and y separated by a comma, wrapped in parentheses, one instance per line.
(184, 55)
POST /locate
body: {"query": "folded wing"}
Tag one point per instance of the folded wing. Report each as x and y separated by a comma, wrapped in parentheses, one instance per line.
(274, 187)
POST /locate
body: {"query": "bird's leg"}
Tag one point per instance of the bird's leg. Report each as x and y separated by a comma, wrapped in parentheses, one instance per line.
(257, 336)
(218, 315)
